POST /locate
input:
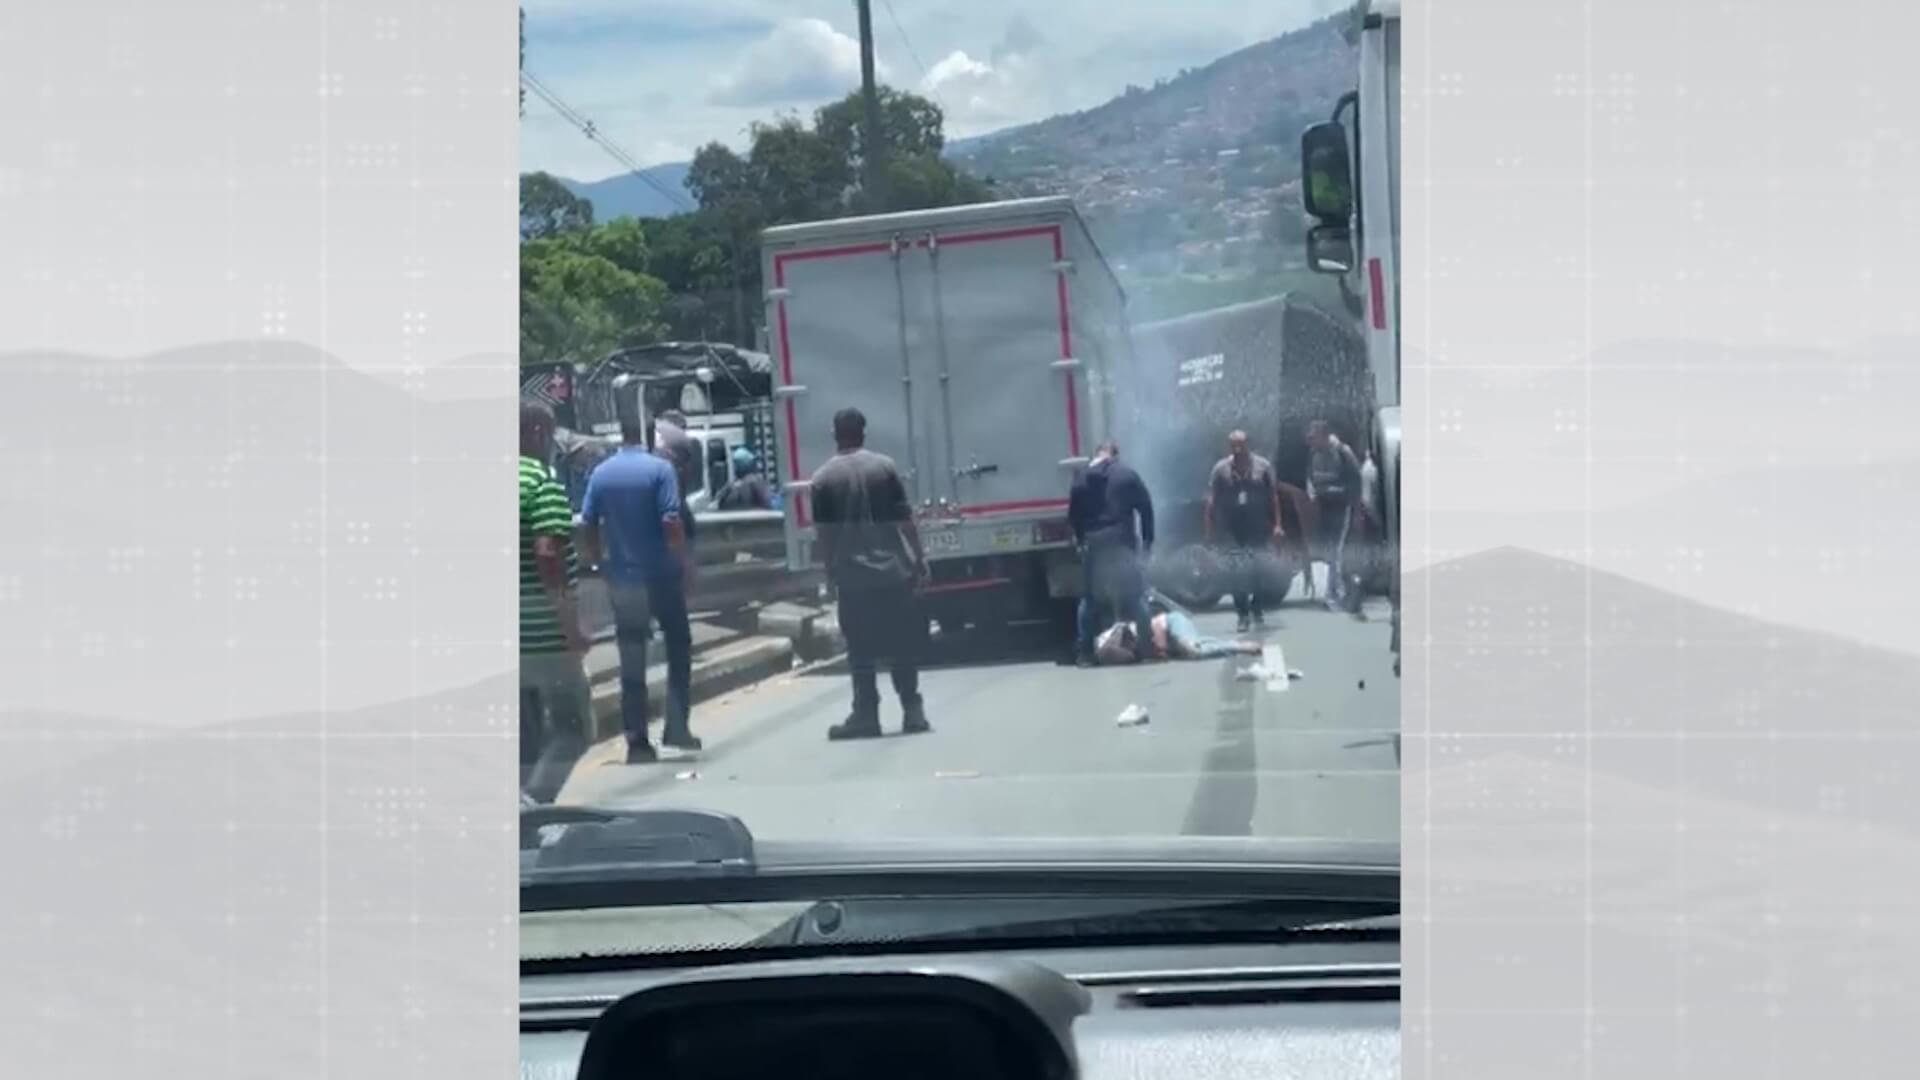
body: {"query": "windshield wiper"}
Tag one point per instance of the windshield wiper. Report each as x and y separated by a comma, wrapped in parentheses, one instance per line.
(575, 858)
(560, 844)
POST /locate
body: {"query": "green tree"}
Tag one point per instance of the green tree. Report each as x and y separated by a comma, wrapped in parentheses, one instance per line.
(547, 208)
(796, 172)
(693, 254)
(791, 171)
(577, 304)
(622, 242)
(912, 125)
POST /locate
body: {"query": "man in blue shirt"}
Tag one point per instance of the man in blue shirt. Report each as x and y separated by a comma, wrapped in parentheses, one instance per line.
(1111, 514)
(633, 504)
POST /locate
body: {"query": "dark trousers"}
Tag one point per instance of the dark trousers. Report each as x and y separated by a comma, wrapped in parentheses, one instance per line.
(636, 608)
(883, 625)
(556, 712)
(1110, 573)
(1243, 573)
(1336, 520)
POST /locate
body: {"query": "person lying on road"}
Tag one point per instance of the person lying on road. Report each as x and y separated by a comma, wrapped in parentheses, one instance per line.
(1175, 637)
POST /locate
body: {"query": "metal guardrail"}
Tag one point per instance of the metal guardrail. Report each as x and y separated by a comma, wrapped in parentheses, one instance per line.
(723, 536)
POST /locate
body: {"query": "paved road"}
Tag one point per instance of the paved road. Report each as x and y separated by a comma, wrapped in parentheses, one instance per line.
(1024, 746)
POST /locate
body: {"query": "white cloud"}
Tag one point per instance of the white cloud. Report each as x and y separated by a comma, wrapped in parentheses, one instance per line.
(955, 66)
(800, 61)
(1001, 62)
(979, 96)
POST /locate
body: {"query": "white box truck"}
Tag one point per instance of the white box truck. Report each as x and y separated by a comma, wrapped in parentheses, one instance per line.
(1350, 171)
(982, 343)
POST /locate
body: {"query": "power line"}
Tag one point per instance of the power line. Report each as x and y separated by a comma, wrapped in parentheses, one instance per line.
(908, 42)
(592, 132)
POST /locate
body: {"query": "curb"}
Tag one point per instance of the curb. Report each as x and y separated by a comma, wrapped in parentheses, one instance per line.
(722, 669)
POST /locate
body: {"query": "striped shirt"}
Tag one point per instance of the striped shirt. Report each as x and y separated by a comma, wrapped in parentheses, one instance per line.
(544, 511)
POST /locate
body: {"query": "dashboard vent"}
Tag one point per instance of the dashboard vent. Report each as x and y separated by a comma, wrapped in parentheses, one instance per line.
(1256, 986)
(562, 1014)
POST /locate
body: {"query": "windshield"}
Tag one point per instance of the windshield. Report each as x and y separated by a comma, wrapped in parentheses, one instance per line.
(1005, 483)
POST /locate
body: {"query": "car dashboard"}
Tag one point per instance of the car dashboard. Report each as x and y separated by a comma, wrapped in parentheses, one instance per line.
(1296, 1009)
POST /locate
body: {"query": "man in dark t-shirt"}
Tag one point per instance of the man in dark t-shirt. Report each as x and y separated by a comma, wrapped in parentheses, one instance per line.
(1243, 506)
(1111, 514)
(871, 549)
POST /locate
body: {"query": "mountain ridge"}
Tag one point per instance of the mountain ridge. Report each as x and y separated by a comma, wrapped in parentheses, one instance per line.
(1253, 101)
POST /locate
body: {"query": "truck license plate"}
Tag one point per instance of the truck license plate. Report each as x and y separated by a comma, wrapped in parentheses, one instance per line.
(941, 541)
(1007, 537)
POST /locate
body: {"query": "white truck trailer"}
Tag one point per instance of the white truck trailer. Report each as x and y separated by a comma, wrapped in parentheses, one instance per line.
(982, 343)
(1350, 173)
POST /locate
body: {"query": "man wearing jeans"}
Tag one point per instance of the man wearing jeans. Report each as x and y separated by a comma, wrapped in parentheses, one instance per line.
(555, 700)
(1111, 514)
(633, 501)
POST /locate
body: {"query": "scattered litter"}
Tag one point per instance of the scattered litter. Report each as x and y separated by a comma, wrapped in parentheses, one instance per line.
(688, 775)
(1296, 673)
(957, 774)
(1132, 716)
(1363, 684)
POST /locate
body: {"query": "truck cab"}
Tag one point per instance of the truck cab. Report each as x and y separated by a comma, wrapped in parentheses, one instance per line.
(1350, 185)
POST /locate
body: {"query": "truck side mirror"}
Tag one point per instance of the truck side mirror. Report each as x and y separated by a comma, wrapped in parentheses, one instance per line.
(1329, 249)
(1326, 181)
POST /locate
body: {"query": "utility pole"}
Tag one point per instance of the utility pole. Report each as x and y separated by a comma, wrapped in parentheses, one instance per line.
(871, 142)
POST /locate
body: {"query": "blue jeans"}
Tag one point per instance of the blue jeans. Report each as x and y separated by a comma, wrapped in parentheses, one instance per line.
(1184, 640)
(556, 716)
(636, 608)
(1111, 574)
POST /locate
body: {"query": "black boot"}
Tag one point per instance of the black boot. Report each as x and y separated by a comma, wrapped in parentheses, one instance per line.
(680, 739)
(862, 723)
(914, 721)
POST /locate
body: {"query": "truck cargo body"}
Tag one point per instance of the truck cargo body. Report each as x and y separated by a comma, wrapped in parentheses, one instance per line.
(981, 343)
(1266, 367)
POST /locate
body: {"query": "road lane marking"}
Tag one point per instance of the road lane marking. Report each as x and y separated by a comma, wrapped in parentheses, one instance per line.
(1275, 663)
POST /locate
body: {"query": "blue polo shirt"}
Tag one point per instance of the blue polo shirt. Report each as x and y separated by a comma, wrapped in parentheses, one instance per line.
(629, 497)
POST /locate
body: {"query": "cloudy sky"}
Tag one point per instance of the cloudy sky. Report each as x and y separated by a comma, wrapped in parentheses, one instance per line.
(661, 77)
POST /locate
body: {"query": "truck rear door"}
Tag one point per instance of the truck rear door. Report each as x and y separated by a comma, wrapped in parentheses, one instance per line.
(1004, 411)
(837, 321)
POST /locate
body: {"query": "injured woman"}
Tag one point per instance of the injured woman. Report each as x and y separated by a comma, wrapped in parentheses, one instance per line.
(1175, 637)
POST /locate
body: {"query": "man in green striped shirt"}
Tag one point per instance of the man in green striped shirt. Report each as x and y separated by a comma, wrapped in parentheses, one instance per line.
(556, 701)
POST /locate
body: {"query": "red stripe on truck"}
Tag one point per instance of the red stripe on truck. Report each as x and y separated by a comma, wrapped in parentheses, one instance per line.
(786, 377)
(1377, 291)
(997, 234)
(1014, 507)
(828, 253)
